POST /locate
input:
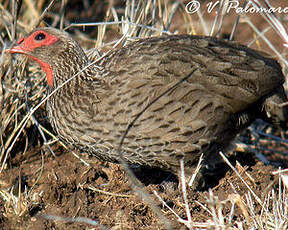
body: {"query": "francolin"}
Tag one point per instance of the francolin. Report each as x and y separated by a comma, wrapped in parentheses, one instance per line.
(225, 87)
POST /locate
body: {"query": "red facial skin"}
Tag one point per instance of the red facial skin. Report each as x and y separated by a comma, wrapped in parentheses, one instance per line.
(27, 45)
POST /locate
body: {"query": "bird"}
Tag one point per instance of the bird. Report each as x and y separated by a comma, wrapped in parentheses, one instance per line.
(187, 95)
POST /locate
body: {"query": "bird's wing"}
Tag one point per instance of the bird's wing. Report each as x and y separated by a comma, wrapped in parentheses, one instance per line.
(239, 76)
(227, 79)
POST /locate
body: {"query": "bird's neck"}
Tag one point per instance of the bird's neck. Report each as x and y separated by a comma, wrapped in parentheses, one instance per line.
(68, 72)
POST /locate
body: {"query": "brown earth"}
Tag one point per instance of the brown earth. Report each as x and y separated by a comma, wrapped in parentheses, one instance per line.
(63, 186)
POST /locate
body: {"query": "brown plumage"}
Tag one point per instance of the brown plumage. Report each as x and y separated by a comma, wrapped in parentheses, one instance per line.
(229, 87)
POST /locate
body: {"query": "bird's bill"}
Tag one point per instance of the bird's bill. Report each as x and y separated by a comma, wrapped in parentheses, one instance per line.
(16, 49)
(20, 49)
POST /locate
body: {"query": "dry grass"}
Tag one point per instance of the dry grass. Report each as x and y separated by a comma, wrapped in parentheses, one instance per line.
(22, 84)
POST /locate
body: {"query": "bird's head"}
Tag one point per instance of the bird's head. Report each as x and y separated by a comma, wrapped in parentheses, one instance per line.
(58, 54)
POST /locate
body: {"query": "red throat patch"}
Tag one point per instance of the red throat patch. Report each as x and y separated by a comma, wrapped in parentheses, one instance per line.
(27, 46)
(47, 69)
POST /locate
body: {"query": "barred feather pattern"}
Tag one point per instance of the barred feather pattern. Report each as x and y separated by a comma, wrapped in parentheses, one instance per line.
(232, 86)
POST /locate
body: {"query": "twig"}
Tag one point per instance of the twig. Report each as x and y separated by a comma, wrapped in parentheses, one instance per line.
(236, 22)
(116, 23)
(238, 174)
(108, 193)
(37, 125)
(82, 220)
(132, 178)
(43, 14)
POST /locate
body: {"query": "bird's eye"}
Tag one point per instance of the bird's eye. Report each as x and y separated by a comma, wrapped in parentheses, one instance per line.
(40, 37)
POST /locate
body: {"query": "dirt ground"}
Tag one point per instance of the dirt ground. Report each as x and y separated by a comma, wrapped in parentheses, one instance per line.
(63, 186)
